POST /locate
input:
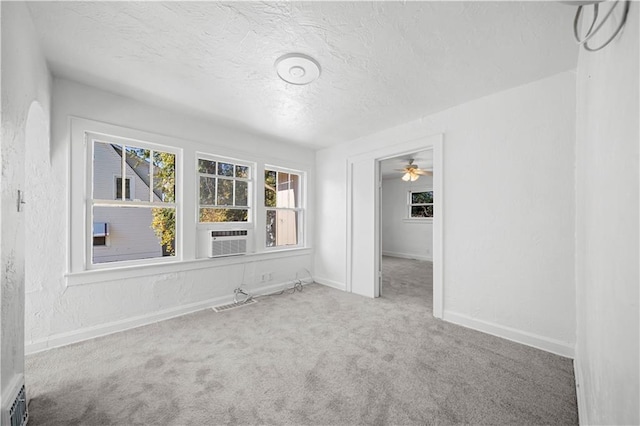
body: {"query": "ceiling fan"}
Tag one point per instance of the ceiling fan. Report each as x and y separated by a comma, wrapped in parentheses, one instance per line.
(412, 172)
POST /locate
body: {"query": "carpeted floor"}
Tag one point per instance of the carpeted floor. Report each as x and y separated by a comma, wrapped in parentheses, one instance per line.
(319, 357)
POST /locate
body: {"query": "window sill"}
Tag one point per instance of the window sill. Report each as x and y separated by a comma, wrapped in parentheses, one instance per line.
(126, 272)
(424, 220)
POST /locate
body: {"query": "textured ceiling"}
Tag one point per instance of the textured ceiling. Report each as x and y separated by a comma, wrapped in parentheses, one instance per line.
(383, 63)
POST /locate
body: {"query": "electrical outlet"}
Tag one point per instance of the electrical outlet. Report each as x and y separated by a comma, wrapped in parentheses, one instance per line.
(266, 277)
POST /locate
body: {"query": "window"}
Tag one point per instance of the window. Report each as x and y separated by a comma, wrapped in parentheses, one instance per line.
(118, 188)
(223, 191)
(142, 223)
(100, 233)
(128, 207)
(282, 199)
(420, 204)
(99, 241)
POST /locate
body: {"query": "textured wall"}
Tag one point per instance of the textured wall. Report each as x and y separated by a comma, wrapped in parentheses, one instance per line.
(607, 353)
(25, 80)
(59, 314)
(400, 237)
(508, 208)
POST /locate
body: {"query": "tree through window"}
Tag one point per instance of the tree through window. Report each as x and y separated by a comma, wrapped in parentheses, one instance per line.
(282, 199)
(223, 191)
(133, 190)
(420, 204)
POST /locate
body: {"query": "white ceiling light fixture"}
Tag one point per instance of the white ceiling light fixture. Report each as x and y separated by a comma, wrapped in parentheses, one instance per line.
(410, 177)
(297, 68)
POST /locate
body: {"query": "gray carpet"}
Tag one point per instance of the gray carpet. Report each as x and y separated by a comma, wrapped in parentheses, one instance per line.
(319, 357)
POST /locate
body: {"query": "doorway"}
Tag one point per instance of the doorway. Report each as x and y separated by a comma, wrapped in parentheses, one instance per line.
(364, 251)
(406, 227)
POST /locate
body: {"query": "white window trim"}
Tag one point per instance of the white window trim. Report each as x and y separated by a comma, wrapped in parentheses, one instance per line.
(249, 224)
(301, 210)
(91, 203)
(123, 272)
(408, 218)
(80, 245)
(186, 223)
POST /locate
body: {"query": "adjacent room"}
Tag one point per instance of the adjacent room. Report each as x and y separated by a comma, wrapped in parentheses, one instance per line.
(318, 213)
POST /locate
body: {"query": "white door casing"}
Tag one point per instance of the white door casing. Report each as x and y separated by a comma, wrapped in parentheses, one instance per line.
(363, 217)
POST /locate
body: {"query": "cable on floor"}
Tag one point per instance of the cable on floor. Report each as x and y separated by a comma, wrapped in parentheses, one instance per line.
(298, 283)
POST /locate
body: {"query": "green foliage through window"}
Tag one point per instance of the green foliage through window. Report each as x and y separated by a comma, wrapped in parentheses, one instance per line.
(145, 177)
(421, 204)
(282, 200)
(223, 191)
(164, 220)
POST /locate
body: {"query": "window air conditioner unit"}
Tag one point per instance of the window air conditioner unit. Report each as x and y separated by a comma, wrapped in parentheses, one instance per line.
(227, 243)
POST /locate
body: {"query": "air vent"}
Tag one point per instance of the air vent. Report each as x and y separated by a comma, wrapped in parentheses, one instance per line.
(235, 233)
(16, 414)
(228, 243)
(230, 306)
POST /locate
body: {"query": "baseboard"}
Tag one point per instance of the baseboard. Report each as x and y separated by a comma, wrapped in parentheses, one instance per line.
(331, 283)
(583, 418)
(407, 256)
(76, 336)
(540, 342)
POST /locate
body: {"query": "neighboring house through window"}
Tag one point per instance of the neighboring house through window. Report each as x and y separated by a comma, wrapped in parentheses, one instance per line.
(131, 203)
(141, 225)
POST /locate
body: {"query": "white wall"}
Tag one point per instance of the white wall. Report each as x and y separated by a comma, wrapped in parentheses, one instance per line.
(26, 97)
(57, 313)
(411, 239)
(330, 266)
(607, 354)
(508, 210)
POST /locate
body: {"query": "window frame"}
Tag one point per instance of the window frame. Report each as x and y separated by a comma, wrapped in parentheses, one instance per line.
(300, 210)
(91, 138)
(100, 245)
(104, 235)
(132, 186)
(410, 204)
(79, 269)
(250, 222)
(80, 241)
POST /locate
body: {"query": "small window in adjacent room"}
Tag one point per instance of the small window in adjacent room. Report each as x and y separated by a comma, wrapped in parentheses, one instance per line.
(282, 198)
(420, 204)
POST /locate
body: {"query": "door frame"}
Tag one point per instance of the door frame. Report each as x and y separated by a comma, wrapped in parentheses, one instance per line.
(355, 241)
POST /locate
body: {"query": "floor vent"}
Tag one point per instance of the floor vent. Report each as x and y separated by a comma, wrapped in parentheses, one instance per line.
(232, 305)
(18, 413)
